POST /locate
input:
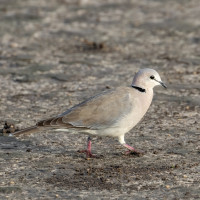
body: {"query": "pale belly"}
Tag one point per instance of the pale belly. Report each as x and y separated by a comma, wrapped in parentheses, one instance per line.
(122, 126)
(126, 122)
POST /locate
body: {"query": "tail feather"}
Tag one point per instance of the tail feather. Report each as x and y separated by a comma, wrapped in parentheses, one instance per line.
(28, 130)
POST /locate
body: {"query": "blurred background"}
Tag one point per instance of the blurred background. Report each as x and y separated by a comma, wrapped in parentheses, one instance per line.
(56, 53)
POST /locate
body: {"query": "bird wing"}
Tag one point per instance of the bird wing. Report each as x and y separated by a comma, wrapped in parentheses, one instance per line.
(98, 112)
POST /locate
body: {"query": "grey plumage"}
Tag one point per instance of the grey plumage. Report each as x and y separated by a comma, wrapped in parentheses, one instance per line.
(111, 113)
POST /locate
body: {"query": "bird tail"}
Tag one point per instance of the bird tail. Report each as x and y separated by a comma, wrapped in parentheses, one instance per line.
(28, 130)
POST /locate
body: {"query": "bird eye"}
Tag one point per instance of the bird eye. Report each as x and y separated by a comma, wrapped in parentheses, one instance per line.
(152, 77)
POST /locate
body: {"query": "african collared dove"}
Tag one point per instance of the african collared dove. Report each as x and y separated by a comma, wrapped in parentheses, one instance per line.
(111, 113)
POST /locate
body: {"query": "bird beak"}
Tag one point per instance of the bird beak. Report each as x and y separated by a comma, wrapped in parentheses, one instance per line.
(161, 83)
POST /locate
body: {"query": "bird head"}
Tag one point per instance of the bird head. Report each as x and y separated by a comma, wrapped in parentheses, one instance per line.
(147, 78)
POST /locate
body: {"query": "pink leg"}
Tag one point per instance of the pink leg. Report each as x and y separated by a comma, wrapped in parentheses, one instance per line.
(89, 145)
(88, 151)
(132, 150)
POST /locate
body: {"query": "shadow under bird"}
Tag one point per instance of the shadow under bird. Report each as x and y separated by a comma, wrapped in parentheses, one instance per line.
(111, 113)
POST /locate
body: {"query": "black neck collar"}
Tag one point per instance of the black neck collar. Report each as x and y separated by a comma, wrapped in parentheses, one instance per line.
(138, 88)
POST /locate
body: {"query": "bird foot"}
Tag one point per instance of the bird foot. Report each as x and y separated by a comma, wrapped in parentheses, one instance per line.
(134, 152)
(88, 153)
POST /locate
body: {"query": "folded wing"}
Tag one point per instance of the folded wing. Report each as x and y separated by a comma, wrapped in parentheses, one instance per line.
(99, 112)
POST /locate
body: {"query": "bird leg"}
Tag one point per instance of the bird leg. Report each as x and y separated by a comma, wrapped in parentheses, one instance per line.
(89, 144)
(131, 150)
(88, 150)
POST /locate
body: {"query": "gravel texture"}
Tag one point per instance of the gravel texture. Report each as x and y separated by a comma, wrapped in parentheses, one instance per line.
(56, 53)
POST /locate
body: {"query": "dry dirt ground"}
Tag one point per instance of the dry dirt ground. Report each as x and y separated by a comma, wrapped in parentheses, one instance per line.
(56, 53)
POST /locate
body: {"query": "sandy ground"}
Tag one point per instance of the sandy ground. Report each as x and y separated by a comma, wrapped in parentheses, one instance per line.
(54, 54)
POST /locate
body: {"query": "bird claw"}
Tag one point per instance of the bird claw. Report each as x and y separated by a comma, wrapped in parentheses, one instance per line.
(134, 152)
(88, 153)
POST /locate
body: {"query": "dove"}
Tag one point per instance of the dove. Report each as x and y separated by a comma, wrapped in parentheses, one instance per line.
(111, 113)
